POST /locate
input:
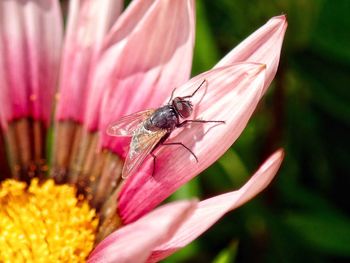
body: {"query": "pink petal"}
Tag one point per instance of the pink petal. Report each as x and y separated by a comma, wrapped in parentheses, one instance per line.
(263, 46)
(30, 40)
(211, 210)
(88, 23)
(140, 66)
(231, 95)
(135, 242)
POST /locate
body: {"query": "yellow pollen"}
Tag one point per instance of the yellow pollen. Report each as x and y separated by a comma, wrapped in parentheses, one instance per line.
(44, 223)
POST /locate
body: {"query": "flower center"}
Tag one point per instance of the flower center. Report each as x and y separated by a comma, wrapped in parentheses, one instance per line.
(44, 222)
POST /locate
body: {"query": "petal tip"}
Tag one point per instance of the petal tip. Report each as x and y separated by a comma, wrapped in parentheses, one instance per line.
(280, 21)
(278, 155)
(273, 163)
(282, 17)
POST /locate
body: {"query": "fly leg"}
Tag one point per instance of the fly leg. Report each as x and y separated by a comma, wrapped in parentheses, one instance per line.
(183, 145)
(198, 121)
(154, 162)
(190, 96)
(172, 96)
(167, 144)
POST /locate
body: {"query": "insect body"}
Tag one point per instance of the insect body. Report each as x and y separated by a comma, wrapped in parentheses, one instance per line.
(151, 128)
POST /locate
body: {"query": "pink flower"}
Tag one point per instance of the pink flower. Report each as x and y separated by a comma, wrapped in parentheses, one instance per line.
(233, 92)
(135, 242)
(112, 67)
(198, 220)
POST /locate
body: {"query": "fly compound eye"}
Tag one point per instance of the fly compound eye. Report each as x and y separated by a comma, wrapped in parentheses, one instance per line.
(183, 107)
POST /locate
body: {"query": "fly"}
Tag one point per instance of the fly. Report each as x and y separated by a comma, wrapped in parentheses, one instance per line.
(151, 128)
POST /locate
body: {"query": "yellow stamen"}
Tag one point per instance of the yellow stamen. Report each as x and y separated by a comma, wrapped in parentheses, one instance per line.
(44, 223)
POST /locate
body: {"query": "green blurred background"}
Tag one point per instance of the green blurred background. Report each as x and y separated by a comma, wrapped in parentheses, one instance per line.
(304, 215)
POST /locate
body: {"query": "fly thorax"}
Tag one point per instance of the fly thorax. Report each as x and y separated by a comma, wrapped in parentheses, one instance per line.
(164, 118)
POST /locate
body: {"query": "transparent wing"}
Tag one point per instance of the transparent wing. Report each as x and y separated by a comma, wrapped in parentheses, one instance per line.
(126, 125)
(141, 145)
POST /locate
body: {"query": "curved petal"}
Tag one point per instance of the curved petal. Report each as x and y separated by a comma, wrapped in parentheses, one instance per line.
(135, 242)
(140, 68)
(211, 210)
(88, 23)
(231, 95)
(30, 40)
(263, 46)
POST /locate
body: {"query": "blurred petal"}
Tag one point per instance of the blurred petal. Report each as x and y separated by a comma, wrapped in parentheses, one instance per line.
(231, 95)
(140, 66)
(135, 242)
(263, 46)
(211, 210)
(30, 40)
(88, 23)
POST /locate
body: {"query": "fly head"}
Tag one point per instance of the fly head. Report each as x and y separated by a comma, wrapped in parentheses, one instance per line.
(183, 107)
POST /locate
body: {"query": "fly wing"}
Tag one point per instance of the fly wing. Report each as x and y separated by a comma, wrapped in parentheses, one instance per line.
(126, 125)
(142, 143)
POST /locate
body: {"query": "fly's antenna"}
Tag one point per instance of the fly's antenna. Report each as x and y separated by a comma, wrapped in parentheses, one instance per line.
(190, 96)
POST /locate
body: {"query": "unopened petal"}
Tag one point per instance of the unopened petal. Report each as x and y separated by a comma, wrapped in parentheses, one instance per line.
(135, 242)
(211, 210)
(143, 61)
(88, 23)
(231, 95)
(263, 46)
(30, 40)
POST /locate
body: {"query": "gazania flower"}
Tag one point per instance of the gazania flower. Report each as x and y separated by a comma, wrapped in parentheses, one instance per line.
(78, 207)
